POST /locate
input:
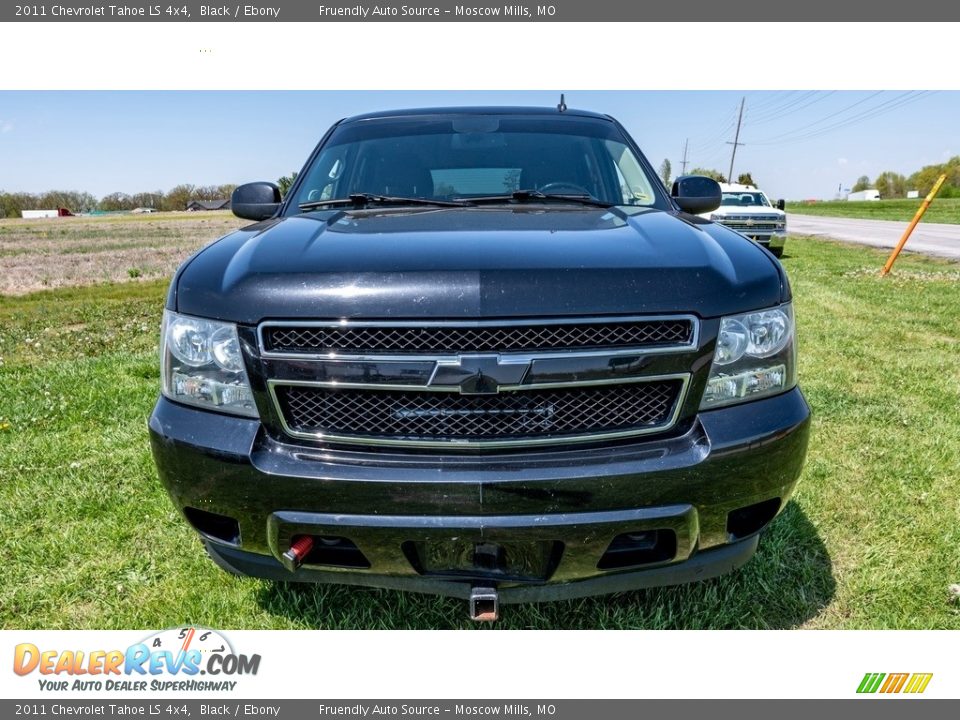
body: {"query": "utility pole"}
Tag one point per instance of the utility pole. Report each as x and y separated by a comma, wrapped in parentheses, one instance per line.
(683, 163)
(736, 140)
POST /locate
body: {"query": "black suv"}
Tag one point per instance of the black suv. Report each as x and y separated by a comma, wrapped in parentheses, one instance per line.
(480, 352)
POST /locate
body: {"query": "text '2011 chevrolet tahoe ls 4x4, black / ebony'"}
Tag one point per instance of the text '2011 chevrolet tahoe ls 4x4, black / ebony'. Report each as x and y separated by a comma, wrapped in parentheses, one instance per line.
(480, 352)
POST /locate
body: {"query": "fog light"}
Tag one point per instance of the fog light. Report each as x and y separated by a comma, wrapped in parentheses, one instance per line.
(722, 388)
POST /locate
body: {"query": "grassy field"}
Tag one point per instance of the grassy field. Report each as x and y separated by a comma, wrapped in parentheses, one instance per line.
(943, 210)
(61, 252)
(90, 540)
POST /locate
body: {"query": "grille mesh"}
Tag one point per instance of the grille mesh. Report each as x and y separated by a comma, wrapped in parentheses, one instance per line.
(511, 415)
(451, 340)
(756, 227)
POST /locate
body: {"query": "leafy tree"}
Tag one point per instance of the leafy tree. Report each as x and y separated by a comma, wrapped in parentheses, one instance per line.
(665, 169)
(863, 183)
(924, 178)
(286, 182)
(178, 197)
(715, 174)
(205, 192)
(746, 179)
(11, 204)
(148, 199)
(70, 199)
(116, 201)
(891, 184)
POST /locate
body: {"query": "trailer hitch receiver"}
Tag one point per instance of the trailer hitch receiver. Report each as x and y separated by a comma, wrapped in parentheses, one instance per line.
(484, 604)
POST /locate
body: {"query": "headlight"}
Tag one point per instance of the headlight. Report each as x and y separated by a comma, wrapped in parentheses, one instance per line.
(201, 365)
(755, 357)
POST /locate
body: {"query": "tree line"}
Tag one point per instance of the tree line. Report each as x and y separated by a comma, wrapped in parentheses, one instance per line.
(177, 198)
(665, 170)
(894, 185)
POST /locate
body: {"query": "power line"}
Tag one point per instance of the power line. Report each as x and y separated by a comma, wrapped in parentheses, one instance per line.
(866, 115)
(775, 98)
(788, 104)
(792, 111)
(808, 133)
(781, 111)
(776, 104)
(713, 161)
(716, 138)
(821, 120)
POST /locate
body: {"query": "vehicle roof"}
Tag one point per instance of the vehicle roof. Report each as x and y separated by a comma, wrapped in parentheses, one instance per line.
(737, 187)
(476, 110)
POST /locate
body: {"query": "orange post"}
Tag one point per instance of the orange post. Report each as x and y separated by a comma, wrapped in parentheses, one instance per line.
(913, 223)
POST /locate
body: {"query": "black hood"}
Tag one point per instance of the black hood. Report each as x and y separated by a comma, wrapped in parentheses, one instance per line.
(486, 262)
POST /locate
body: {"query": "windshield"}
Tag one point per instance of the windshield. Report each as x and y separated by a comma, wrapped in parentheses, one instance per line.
(744, 199)
(455, 158)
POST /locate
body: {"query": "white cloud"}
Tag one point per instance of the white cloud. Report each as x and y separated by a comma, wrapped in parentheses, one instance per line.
(6, 126)
(842, 161)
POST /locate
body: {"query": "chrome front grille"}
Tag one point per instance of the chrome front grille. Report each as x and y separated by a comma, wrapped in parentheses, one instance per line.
(754, 218)
(506, 418)
(752, 224)
(444, 339)
(752, 229)
(483, 383)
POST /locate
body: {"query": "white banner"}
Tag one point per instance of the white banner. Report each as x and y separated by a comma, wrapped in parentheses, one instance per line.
(202, 663)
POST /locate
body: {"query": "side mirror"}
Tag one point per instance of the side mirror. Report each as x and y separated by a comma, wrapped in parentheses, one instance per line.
(696, 194)
(256, 201)
(781, 204)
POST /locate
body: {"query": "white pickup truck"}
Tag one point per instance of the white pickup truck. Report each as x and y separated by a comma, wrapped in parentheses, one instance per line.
(747, 210)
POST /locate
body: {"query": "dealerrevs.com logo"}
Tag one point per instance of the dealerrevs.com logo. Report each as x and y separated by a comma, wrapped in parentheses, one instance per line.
(169, 660)
(890, 683)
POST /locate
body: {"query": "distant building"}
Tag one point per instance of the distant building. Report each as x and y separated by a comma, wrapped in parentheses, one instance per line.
(911, 194)
(223, 204)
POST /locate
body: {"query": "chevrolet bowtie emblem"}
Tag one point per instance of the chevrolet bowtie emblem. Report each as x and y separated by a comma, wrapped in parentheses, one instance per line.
(480, 374)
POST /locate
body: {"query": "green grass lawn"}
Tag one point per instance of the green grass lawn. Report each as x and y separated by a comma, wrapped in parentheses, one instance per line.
(90, 540)
(942, 210)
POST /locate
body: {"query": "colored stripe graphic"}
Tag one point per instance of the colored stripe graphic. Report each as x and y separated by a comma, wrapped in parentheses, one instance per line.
(870, 682)
(894, 683)
(918, 682)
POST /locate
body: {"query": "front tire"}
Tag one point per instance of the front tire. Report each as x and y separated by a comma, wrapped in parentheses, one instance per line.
(777, 252)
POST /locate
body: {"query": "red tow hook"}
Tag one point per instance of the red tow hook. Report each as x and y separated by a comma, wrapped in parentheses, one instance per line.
(299, 549)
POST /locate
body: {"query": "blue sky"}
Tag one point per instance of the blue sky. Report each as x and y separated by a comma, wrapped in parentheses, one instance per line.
(798, 144)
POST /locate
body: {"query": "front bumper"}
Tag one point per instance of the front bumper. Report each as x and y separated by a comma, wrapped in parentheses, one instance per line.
(768, 240)
(558, 510)
(776, 240)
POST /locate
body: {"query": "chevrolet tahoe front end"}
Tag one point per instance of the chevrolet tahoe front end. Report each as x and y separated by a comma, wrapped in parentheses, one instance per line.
(564, 388)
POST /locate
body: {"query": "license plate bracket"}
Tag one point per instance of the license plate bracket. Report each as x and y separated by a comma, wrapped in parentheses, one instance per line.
(519, 561)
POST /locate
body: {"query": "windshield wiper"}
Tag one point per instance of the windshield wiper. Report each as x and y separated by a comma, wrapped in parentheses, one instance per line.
(537, 196)
(361, 200)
